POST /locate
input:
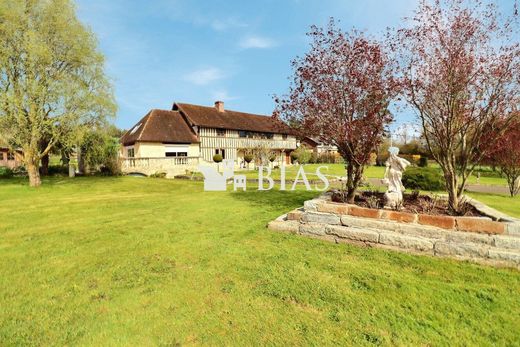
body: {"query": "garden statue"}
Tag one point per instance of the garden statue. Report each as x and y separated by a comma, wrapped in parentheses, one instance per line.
(395, 167)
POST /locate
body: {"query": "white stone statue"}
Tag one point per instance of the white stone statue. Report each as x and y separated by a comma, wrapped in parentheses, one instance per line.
(395, 167)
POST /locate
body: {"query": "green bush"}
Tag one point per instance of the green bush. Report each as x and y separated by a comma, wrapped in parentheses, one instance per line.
(248, 158)
(294, 156)
(58, 170)
(5, 172)
(326, 158)
(158, 174)
(217, 158)
(423, 178)
(423, 162)
(303, 155)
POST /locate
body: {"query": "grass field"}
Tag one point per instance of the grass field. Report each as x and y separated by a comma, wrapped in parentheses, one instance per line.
(136, 261)
(370, 172)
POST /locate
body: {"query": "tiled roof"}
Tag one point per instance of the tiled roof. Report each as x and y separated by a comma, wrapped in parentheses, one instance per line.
(160, 126)
(210, 117)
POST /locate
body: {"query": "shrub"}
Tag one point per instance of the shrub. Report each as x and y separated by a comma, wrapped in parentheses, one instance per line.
(158, 174)
(58, 170)
(302, 155)
(423, 162)
(217, 158)
(423, 178)
(294, 156)
(326, 158)
(6, 172)
(313, 159)
(248, 158)
(20, 171)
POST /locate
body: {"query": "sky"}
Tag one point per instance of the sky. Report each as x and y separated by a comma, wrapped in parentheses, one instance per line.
(163, 51)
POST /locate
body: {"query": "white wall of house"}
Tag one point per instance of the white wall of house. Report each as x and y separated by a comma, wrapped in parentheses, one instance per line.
(158, 149)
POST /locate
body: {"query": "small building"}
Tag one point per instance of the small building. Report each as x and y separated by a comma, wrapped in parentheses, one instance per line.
(10, 159)
(319, 147)
(180, 139)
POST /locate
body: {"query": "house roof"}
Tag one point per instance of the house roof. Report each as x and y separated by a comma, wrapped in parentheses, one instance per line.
(204, 116)
(160, 126)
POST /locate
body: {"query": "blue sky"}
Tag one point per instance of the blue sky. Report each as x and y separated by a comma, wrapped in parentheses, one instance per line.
(194, 51)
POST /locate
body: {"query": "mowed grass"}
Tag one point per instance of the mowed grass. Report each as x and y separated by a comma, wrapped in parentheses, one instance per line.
(504, 203)
(338, 170)
(136, 261)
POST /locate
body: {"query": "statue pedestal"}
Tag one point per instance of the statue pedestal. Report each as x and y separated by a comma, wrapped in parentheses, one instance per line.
(393, 200)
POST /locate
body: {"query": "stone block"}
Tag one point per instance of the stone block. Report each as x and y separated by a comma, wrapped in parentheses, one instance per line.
(294, 215)
(407, 242)
(480, 225)
(511, 242)
(331, 207)
(364, 212)
(505, 254)
(318, 217)
(353, 233)
(465, 237)
(513, 229)
(444, 222)
(312, 229)
(461, 249)
(420, 231)
(311, 205)
(403, 217)
(289, 226)
(368, 223)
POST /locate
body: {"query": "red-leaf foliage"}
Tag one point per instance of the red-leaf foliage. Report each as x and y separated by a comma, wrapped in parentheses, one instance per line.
(505, 154)
(340, 92)
(460, 63)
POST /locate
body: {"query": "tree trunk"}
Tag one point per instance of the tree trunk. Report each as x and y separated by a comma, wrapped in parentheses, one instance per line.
(351, 188)
(44, 169)
(34, 174)
(453, 196)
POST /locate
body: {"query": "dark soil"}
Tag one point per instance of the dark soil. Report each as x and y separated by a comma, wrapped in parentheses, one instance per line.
(413, 203)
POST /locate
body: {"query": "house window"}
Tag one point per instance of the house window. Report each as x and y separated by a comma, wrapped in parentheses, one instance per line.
(221, 152)
(176, 154)
(284, 136)
(269, 135)
(221, 132)
(242, 133)
(1, 156)
(130, 153)
(10, 156)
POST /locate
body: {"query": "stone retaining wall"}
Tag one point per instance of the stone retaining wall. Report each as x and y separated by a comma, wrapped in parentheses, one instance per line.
(469, 238)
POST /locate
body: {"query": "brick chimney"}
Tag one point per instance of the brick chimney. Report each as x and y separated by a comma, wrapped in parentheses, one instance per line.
(219, 105)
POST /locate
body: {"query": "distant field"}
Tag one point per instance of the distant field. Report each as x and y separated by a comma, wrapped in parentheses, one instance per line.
(140, 261)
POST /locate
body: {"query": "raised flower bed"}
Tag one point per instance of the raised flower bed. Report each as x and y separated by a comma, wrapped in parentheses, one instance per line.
(486, 236)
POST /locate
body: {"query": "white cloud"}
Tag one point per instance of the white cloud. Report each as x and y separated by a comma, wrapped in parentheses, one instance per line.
(222, 95)
(227, 23)
(257, 42)
(204, 76)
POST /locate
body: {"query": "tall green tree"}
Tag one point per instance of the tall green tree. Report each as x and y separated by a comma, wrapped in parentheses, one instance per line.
(52, 78)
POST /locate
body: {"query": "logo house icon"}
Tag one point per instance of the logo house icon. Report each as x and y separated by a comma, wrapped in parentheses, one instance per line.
(213, 181)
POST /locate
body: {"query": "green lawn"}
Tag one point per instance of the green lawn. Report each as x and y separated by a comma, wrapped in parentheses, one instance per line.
(136, 261)
(506, 204)
(370, 172)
